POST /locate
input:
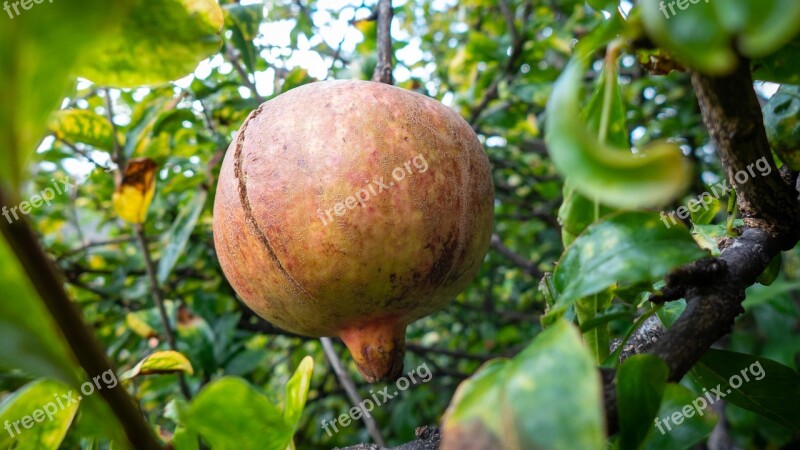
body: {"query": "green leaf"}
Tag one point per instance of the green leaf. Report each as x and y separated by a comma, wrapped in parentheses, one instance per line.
(706, 236)
(694, 36)
(32, 342)
(80, 125)
(296, 77)
(670, 312)
(780, 67)
(555, 372)
(614, 176)
(756, 384)
(468, 405)
(759, 295)
(159, 41)
(602, 4)
(168, 361)
(185, 440)
(48, 422)
(31, 339)
(766, 25)
(707, 208)
(782, 121)
(641, 380)
(139, 323)
(38, 51)
(577, 212)
(232, 415)
(605, 112)
(772, 271)
(177, 237)
(297, 392)
(627, 247)
(683, 420)
(143, 122)
(244, 21)
(586, 309)
(701, 34)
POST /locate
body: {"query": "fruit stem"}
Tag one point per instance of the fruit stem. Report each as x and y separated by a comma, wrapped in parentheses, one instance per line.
(377, 346)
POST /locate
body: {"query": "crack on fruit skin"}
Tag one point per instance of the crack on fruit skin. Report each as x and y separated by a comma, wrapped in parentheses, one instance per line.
(241, 176)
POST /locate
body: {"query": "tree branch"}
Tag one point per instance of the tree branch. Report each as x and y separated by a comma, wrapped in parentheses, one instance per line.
(714, 288)
(350, 389)
(158, 298)
(734, 120)
(48, 283)
(520, 261)
(119, 155)
(383, 69)
(230, 54)
(428, 438)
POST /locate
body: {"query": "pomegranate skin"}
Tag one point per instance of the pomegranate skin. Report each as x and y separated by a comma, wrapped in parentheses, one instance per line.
(300, 254)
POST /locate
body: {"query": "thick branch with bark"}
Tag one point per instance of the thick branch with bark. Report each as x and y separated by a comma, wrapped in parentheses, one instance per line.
(772, 213)
(428, 438)
(732, 113)
(47, 281)
(715, 288)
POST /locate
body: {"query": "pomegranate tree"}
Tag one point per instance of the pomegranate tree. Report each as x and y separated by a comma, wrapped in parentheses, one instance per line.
(351, 209)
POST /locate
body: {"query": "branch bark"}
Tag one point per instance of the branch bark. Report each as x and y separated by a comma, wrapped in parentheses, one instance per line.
(158, 298)
(714, 288)
(49, 284)
(428, 438)
(383, 69)
(350, 389)
(518, 260)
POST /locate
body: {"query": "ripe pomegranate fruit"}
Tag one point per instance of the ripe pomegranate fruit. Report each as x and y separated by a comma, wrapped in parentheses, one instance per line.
(351, 209)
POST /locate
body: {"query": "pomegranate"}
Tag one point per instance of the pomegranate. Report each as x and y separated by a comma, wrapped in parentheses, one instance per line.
(351, 209)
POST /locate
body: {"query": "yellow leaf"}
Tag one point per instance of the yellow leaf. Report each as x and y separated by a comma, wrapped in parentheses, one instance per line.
(133, 196)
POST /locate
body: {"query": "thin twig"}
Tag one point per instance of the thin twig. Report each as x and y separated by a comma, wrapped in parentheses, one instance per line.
(350, 388)
(83, 153)
(158, 296)
(518, 260)
(118, 155)
(233, 58)
(89, 245)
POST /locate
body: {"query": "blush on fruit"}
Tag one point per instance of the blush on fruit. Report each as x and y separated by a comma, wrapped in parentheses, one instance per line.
(351, 209)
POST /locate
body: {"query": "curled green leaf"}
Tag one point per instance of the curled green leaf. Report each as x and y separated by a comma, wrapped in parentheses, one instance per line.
(614, 176)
